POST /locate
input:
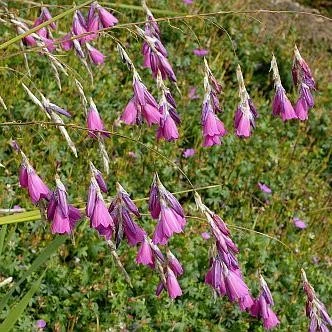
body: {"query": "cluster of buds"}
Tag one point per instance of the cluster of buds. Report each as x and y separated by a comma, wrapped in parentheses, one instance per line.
(86, 29)
(315, 309)
(169, 268)
(166, 208)
(122, 209)
(305, 83)
(224, 275)
(142, 105)
(281, 105)
(154, 52)
(52, 111)
(62, 215)
(170, 118)
(246, 111)
(212, 127)
(262, 307)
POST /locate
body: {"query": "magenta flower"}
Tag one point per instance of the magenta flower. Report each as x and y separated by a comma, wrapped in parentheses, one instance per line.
(95, 55)
(299, 223)
(66, 42)
(262, 307)
(106, 18)
(40, 324)
(200, 52)
(172, 284)
(166, 208)
(174, 264)
(205, 235)
(188, 2)
(192, 94)
(62, 215)
(244, 118)
(141, 106)
(281, 105)
(29, 179)
(121, 210)
(187, 153)
(145, 255)
(264, 188)
(305, 82)
(167, 128)
(315, 309)
(79, 27)
(94, 122)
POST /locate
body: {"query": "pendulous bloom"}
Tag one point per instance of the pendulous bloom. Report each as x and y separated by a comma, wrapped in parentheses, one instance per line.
(264, 188)
(305, 83)
(106, 18)
(320, 321)
(95, 55)
(262, 307)
(94, 122)
(212, 127)
(29, 179)
(166, 208)
(141, 106)
(281, 105)
(121, 209)
(244, 118)
(62, 215)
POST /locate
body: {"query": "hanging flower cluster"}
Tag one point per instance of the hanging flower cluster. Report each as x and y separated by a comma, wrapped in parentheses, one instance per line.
(212, 127)
(166, 208)
(315, 309)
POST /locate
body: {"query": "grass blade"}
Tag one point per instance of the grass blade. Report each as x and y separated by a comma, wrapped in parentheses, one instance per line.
(15, 313)
(40, 260)
(2, 237)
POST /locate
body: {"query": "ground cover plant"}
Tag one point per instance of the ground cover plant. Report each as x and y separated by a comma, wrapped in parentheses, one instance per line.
(165, 166)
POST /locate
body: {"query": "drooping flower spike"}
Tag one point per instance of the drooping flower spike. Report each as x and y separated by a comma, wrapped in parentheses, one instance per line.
(262, 307)
(51, 110)
(121, 209)
(166, 208)
(96, 209)
(320, 321)
(29, 179)
(305, 83)
(62, 215)
(170, 118)
(212, 127)
(246, 112)
(142, 105)
(224, 275)
(281, 105)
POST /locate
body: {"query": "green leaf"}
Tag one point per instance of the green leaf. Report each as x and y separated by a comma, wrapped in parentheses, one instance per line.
(41, 259)
(21, 217)
(2, 237)
(15, 313)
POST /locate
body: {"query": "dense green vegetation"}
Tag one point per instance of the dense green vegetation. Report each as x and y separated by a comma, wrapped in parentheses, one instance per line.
(82, 289)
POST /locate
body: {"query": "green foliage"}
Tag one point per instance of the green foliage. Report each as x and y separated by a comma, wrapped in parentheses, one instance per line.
(82, 289)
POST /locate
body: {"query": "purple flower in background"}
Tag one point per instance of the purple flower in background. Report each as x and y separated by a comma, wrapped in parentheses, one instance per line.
(141, 106)
(29, 179)
(40, 324)
(299, 223)
(205, 235)
(94, 122)
(264, 188)
(192, 94)
(188, 2)
(315, 309)
(62, 215)
(187, 153)
(262, 307)
(200, 51)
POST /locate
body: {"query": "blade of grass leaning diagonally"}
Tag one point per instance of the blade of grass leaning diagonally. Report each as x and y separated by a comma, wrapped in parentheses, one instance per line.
(40, 260)
(2, 237)
(15, 313)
